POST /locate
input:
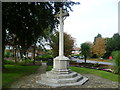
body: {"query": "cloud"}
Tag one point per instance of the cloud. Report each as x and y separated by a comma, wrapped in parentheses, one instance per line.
(92, 17)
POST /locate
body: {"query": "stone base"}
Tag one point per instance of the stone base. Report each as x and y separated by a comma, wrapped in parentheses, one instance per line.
(57, 80)
(61, 75)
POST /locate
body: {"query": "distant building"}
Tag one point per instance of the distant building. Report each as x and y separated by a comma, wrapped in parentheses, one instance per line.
(8, 47)
(76, 50)
(29, 52)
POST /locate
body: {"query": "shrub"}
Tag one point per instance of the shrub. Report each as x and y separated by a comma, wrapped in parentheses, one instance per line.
(22, 63)
(72, 61)
(7, 54)
(8, 62)
(76, 55)
(47, 56)
(116, 61)
(50, 62)
(44, 56)
(96, 65)
(25, 61)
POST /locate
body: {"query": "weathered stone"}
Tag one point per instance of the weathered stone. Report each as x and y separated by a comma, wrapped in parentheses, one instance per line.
(61, 75)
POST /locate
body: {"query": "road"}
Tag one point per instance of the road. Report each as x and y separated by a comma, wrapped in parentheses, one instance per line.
(89, 61)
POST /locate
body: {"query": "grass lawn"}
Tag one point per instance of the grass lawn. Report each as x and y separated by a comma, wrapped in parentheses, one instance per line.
(100, 73)
(101, 60)
(14, 72)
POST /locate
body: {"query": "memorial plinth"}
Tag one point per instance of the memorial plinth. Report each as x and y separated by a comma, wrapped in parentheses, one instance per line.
(61, 75)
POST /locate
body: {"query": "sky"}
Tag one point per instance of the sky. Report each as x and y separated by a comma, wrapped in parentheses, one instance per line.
(90, 18)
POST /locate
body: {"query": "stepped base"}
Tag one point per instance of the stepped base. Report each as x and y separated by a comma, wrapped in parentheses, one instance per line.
(61, 75)
(54, 79)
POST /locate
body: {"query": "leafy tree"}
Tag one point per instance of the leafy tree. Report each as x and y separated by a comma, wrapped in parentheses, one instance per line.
(91, 47)
(116, 65)
(112, 44)
(85, 50)
(68, 44)
(99, 35)
(99, 47)
(54, 43)
(29, 20)
(109, 47)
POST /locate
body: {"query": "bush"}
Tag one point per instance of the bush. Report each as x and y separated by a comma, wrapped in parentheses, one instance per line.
(72, 61)
(50, 62)
(25, 61)
(116, 61)
(44, 57)
(96, 65)
(94, 56)
(21, 63)
(47, 56)
(75, 54)
(8, 62)
(7, 54)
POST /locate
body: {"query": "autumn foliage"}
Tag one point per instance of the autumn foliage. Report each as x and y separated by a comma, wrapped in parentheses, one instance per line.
(68, 44)
(99, 47)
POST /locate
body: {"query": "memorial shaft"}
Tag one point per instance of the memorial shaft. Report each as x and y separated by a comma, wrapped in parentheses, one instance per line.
(61, 35)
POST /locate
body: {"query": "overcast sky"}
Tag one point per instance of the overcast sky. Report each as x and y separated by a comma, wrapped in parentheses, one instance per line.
(92, 17)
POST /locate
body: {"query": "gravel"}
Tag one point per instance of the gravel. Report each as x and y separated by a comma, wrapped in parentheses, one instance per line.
(93, 82)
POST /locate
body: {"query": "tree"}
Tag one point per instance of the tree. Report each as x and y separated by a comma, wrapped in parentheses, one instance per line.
(109, 47)
(116, 65)
(29, 20)
(99, 47)
(85, 50)
(99, 35)
(91, 47)
(112, 44)
(68, 44)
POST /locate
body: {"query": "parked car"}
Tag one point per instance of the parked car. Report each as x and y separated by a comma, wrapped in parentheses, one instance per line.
(75, 56)
(81, 57)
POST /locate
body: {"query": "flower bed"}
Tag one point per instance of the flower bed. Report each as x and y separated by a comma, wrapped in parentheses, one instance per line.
(92, 66)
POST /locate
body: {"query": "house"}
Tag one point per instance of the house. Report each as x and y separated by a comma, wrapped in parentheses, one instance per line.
(76, 50)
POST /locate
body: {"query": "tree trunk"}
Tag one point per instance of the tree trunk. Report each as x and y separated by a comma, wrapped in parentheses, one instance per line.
(24, 51)
(27, 54)
(13, 52)
(15, 55)
(85, 59)
(21, 57)
(34, 54)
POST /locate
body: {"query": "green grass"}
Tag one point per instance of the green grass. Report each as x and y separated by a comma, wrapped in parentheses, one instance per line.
(44, 61)
(103, 74)
(100, 73)
(49, 68)
(14, 72)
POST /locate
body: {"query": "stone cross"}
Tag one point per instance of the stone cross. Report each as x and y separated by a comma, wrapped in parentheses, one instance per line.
(61, 75)
(61, 62)
(61, 15)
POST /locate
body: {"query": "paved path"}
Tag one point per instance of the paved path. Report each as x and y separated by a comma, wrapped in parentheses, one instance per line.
(94, 81)
(89, 61)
